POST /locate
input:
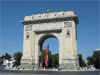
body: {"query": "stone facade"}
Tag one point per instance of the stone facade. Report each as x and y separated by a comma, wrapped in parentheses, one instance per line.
(39, 27)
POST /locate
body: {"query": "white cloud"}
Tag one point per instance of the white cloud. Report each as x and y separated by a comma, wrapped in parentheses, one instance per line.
(97, 49)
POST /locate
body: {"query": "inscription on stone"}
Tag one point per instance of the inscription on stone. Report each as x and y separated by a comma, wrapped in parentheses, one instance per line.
(47, 26)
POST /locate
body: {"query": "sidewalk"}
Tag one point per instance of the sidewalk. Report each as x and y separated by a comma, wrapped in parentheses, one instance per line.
(56, 70)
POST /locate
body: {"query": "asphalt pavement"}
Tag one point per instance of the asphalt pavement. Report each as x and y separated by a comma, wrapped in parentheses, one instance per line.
(33, 72)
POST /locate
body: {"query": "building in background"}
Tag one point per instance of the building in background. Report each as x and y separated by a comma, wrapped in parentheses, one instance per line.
(8, 64)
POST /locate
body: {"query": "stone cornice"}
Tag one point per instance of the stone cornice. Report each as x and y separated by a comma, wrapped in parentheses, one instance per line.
(50, 17)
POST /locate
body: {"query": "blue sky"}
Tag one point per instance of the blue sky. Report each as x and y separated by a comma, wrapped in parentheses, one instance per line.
(12, 12)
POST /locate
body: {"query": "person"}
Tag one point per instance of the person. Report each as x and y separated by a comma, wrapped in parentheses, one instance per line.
(18, 68)
(58, 69)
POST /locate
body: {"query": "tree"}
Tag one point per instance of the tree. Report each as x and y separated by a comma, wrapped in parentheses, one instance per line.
(94, 59)
(96, 56)
(81, 61)
(17, 57)
(90, 60)
(1, 61)
(55, 59)
(3, 57)
(7, 56)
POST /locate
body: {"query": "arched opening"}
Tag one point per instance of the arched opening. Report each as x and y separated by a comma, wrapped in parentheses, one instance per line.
(53, 51)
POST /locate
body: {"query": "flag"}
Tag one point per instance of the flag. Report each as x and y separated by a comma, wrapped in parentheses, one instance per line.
(46, 56)
(47, 9)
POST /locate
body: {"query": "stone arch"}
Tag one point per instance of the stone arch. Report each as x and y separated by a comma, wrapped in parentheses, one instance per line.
(56, 26)
(40, 37)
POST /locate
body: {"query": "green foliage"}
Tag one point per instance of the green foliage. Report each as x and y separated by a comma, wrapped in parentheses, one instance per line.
(17, 57)
(90, 60)
(53, 59)
(2, 57)
(81, 61)
(6, 56)
(94, 59)
(1, 61)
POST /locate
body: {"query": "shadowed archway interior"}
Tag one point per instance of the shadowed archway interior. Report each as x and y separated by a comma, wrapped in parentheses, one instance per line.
(40, 45)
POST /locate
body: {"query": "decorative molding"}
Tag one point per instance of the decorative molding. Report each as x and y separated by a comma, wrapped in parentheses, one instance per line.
(50, 17)
(47, 26)
(27, 27)
(67, 24)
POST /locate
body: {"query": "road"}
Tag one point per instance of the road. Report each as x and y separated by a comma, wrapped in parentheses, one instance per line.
(32, 72)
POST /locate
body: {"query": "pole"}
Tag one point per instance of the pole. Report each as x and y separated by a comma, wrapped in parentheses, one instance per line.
(48, 55)
(53, 61)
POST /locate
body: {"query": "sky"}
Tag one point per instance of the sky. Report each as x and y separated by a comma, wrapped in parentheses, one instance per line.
(12, 12)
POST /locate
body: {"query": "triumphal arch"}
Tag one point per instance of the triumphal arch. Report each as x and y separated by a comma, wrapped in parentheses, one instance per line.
(39, 27)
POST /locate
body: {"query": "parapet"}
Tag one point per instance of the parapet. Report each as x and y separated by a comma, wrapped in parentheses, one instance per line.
(51, 16)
